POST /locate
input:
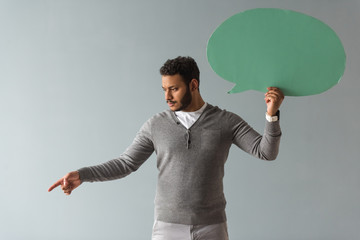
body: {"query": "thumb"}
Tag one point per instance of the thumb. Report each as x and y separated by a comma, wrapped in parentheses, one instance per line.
(65, 182)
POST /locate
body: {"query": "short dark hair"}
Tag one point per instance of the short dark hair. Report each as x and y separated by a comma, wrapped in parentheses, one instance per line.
(185, 66)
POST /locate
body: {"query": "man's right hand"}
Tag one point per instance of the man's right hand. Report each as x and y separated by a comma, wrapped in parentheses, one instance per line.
(68, 183)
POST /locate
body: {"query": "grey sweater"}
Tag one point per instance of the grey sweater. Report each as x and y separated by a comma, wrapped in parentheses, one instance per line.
(190, 161)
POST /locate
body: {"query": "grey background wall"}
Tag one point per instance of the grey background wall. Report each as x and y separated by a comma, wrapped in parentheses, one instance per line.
(77, 80)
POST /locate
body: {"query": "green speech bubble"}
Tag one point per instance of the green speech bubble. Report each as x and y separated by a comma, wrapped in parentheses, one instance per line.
(267, 47)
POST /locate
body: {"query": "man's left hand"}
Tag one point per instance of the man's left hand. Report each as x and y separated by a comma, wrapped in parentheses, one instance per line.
(273, 100)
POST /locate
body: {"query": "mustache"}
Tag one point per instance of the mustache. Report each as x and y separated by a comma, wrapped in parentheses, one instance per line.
(169, 101)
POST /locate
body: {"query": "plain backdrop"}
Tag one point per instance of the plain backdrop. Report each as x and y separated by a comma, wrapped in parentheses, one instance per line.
(78, 78)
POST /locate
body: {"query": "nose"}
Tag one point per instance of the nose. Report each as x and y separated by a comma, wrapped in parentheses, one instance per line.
(168, 95)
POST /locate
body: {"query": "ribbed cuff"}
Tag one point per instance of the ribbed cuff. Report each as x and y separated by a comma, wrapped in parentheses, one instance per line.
(85, 174)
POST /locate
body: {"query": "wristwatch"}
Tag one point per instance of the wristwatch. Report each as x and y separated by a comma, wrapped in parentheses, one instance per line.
(273, 118)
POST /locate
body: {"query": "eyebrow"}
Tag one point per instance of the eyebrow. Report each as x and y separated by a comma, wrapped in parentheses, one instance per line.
(173, 86)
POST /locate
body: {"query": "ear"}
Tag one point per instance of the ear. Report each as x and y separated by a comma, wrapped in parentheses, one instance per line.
(194, 84)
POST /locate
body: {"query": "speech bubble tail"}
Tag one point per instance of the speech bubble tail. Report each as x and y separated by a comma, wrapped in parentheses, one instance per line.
(237, 89)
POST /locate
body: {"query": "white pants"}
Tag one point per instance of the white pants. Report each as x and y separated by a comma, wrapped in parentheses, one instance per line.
(172, 231)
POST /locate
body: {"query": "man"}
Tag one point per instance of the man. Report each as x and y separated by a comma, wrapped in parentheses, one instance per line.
(192, 142)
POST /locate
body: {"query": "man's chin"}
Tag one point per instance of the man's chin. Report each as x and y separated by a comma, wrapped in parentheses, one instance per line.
(174, 109)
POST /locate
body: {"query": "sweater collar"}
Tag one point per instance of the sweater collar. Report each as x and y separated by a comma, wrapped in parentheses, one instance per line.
(176, 120)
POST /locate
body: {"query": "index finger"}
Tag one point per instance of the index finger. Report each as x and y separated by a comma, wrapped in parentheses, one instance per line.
(58, 183)
(276, 90)
(273, 88)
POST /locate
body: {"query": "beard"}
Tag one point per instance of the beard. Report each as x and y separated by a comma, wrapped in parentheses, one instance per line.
(185, 100)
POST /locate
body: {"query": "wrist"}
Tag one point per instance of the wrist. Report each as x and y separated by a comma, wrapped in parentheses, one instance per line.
(272, 118)
(271, 113)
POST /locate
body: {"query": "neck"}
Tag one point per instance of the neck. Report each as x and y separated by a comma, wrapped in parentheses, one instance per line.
(196, 103)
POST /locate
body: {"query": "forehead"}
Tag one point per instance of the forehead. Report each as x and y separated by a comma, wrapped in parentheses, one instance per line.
(172, 80)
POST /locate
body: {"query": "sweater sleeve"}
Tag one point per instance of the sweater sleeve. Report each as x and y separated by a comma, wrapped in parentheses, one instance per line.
(264, 146)
(134, 156)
